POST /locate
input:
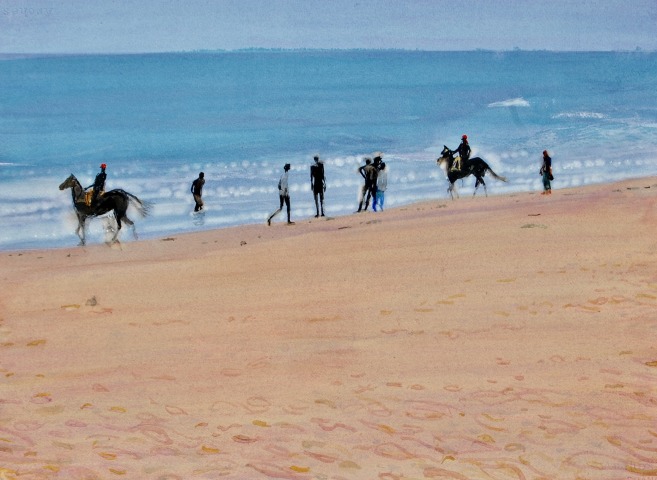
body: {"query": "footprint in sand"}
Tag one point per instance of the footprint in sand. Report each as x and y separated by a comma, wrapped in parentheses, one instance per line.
(257, 405)
(173, 410)
(452, 388)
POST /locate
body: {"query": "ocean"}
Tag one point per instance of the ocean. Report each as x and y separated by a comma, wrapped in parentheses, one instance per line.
(157, 120)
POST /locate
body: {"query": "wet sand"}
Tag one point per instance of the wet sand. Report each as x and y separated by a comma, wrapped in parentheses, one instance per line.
(508, 337)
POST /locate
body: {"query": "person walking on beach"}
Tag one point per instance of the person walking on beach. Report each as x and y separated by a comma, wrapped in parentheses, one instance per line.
(197, 191)
(284, 194)
(318, 184)
(464, 153)
(546, 172)
(99, 184)
(381, 186)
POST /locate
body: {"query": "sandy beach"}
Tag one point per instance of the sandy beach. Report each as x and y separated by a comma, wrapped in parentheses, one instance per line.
(508, 337)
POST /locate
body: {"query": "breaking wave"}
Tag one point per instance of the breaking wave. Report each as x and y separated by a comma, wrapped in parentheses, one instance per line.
(512, 102)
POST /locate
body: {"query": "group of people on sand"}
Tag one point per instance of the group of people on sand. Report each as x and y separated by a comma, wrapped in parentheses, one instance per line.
(374, 173)
(376, 183)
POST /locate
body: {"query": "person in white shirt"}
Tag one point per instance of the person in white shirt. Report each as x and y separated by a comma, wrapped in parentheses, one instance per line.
(381, 185)
(284, 194)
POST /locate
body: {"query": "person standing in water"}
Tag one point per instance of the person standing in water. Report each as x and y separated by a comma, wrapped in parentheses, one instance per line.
(284, 194)
(197, 191)
(318, 184)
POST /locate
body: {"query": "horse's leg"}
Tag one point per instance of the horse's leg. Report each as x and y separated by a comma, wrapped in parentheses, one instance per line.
(80, 230)
(455, 190)
(117, 216)
(132, 226)
(450, 190)
(480, 181)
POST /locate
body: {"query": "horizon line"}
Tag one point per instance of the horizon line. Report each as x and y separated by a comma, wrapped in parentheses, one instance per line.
(303, 49)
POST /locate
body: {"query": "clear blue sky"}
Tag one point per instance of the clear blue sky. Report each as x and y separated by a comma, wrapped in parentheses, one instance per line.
(118, 26)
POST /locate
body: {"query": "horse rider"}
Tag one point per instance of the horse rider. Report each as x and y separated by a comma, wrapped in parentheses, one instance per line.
(99, 184)
(464, 153)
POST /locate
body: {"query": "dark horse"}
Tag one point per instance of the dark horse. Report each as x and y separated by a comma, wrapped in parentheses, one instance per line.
(116, 201)
(474, 166)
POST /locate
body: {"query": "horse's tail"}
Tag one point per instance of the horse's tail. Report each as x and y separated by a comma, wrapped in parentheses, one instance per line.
(495, 175)
(144, 207)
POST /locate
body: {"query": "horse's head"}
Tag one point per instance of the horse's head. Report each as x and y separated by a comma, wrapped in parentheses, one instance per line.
(76, 189)
(445, 156)
(69, 182)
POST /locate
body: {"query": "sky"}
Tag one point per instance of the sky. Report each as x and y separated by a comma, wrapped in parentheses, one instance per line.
(138, 26)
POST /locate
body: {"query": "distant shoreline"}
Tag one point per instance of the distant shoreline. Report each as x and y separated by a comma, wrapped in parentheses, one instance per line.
(302, 221)
(17, 56)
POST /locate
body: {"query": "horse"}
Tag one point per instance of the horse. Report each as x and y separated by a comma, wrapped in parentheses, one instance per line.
(116, 201)
(474, 166)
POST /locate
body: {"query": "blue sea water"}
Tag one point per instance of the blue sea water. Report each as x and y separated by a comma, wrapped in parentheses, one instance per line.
(157, 120)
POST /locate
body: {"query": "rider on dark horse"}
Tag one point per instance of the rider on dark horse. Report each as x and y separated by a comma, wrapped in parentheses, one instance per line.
(99, 184)
(464, 154)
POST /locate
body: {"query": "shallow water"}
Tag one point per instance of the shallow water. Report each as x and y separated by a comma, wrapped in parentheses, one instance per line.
(157, 120)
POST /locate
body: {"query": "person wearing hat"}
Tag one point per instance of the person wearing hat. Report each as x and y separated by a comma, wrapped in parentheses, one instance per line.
(197, 191)
(464, 153)
(318, 184)
(284, 194)
(99, 184)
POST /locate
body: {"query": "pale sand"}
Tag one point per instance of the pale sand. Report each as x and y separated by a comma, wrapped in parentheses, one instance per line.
(504, 337)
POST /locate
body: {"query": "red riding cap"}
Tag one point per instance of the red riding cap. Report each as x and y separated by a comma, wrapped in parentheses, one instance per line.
(103, 165)
(464, 137)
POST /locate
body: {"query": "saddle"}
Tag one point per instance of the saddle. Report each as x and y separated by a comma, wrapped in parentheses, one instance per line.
(88, 195)
(456, 165)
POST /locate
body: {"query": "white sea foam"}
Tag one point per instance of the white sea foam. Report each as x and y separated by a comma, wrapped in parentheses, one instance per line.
(512, 102)
(584, 115)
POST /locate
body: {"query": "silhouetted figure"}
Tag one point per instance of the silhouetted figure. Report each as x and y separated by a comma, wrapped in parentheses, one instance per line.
(369, 172)
(197, 191)
(318, 184)
(464, 153)
(546, 172)
(99, 184)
